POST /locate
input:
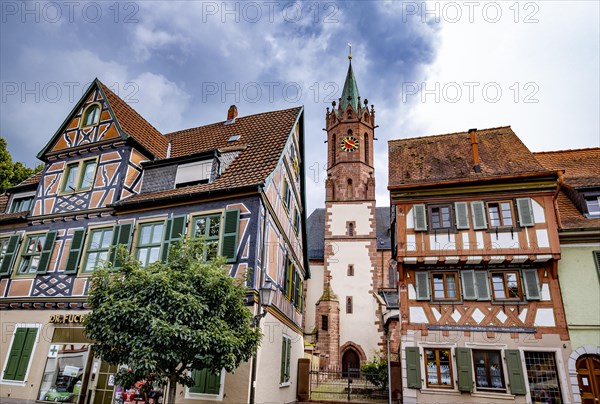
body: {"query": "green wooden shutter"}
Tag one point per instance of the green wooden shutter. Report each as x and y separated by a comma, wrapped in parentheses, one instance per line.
(516, 377)
(468, 285)
(462, 215)
(46, 253)
(420, 217)
(483, 285)
(213, 383)
(479, 217)
(413, 367)
(297, 291)
(532, 285)
(10, 255)
(422, 286)
(175, 230)
(525, 211)
(121, 235)
(465, 369)
(75, 251)
(284, 376)
(230, 235)
(596, 255)
(20, 353)
(199, 377)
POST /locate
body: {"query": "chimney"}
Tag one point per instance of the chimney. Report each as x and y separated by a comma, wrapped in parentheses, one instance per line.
(475, 149)
(232, 113)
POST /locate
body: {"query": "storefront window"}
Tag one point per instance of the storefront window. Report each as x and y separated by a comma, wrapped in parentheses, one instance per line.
(63, 375)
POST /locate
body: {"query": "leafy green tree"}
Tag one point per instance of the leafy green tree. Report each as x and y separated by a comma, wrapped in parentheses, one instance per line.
(164, 320)
(11, 173)
(376, 371)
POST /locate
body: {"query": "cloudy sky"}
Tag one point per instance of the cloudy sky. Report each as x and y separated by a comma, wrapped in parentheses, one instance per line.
(428, 67)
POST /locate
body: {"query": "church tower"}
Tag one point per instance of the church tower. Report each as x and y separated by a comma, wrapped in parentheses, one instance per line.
(351, 333)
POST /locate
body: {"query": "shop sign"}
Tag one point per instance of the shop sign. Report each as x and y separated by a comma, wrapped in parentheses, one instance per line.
(72, 371)
(66, 318)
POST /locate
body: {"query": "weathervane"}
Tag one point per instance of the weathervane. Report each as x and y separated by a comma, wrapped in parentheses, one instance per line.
(349, 51)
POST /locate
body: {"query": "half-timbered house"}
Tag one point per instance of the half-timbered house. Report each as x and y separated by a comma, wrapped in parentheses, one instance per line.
(477, 247)
(111, 178)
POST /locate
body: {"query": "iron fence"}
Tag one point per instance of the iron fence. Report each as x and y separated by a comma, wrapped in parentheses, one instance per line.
(349, 385)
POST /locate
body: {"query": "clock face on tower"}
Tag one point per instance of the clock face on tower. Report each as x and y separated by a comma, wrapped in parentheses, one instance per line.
(349, 144)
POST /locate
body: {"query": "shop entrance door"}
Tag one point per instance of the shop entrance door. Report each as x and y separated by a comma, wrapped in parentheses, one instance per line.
(101, 383)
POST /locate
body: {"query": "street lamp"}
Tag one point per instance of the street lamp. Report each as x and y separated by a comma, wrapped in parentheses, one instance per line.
(265, 297)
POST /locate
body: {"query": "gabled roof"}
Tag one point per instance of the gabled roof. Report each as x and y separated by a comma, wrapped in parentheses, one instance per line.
(262, 138)
(450, 157)
(134, 125)
(130, 123)
(315, 232)
(582, 166)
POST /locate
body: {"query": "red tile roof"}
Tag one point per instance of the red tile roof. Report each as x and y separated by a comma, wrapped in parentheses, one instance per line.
(582, 170)
(262, 138)
(3, 202)
(33, 180)
(582, 166)
(449, 157)
(135, 125)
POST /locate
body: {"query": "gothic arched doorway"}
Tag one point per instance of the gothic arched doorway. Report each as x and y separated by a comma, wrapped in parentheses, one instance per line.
(588, 376)
(350, 363)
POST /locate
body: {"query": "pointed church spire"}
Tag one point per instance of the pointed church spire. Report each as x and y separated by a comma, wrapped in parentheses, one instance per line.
(350, 93)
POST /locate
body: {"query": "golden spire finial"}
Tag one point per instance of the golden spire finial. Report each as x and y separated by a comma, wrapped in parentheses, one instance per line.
(349, 51)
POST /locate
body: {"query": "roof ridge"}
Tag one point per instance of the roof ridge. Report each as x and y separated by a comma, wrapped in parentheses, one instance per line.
(567, 150)
(449, 134)
(223, 121)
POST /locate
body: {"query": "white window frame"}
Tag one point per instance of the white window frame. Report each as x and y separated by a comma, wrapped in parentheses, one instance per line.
(438, 345)
(33, 349)
(476, 346)
(186, 173)
(208, 397)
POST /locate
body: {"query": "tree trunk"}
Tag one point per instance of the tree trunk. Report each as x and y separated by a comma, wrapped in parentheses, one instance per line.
(172, 397)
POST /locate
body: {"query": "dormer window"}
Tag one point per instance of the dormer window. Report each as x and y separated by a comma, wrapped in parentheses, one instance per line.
(91, 116)
(79, 176)
(21, 202)
(593, 206)
(193, 173)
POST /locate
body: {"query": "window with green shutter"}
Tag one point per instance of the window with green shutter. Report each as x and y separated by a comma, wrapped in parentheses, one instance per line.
(532, 284)
(20, 354)
(149, 242)
(286, 354)
(205, 382)
(525, 211)
(468, 284)
(422, 285)
(479, 216)
(121, 236)
(516, 378)
(77, 243)
(465, 371)
(230, 235)
(482, 285)
(462, 215)
(98, 248)
(36, 253)
(420, 217)
(174, 232)
(413, 367)
(8, 253)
